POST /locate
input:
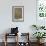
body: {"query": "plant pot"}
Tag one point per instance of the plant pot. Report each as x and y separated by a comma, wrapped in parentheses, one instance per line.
(38, 40)
(42, 40)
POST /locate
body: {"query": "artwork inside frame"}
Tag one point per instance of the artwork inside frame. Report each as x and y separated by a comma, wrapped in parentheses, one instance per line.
(41, 12)
(17, 13)
(41, 8)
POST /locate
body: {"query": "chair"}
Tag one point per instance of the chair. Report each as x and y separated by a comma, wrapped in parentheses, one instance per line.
(14, 32)
(25, 37)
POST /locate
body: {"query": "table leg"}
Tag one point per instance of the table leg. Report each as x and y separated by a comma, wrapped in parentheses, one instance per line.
(5, 40)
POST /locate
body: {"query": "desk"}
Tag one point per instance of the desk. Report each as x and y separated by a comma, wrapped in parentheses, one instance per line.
(8, 34)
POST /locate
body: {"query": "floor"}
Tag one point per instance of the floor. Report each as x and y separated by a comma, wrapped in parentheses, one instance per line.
(13, 44)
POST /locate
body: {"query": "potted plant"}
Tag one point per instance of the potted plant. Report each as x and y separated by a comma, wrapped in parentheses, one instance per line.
(39, 35)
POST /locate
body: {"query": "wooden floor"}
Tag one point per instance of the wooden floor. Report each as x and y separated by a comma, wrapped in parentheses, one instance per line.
(13, 44)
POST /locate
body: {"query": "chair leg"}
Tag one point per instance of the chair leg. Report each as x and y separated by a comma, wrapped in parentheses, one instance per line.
(5, 40)
(5, 43)
(17, 39)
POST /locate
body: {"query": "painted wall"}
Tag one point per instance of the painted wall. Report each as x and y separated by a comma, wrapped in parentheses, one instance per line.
(6, 15)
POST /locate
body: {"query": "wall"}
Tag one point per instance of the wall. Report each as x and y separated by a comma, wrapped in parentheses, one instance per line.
(6, 15)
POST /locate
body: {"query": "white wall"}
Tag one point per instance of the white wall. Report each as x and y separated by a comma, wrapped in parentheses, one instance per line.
(6, 15)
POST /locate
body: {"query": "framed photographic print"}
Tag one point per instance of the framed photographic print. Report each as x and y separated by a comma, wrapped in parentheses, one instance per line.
(41, 8)
(17, 13)
(41, 12)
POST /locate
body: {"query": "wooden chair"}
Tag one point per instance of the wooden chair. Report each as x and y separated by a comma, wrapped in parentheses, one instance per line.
(25, 36)
(7, 34)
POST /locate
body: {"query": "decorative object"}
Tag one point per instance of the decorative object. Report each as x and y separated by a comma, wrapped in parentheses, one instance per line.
(17, 13)
(41, 8)
(14, 30)
(41, 12)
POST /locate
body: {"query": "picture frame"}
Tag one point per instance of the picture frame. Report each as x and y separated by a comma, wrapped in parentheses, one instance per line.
(41, 12)
(41, 8)
(17, 13)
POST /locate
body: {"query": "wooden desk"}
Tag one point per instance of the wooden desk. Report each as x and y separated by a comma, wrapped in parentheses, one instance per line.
(7, 34)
